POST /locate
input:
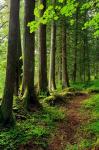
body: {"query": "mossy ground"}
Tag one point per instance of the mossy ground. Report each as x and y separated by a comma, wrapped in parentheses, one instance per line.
(91, 106)
(87, 134)
(37, 128)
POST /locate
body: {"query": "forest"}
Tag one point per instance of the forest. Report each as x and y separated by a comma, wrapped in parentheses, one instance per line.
(49, 74)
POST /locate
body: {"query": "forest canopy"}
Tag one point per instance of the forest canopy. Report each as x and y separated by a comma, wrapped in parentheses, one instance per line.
(57, 11)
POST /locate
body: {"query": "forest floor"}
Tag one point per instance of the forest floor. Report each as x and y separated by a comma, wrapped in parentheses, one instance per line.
(68, 129)
(70, 124)
(80, 131)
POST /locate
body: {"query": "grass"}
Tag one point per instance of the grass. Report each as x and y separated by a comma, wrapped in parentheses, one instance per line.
(89, 131)
(37, 127)
(92, 85)
(83, 145)
(91, 128)
(40, 125)
(87, 135)
(92, 104)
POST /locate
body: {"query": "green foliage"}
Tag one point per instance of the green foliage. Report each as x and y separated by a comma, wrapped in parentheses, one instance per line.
(93, 21)
(71, 147)
(77, 85)
(88, 86)
(52, 13)
(62, 98)
(3, 44)
(20, 134)
(83, 144)
(88, 133)
(54, 113)
(2, 67)
(93, 105)
(36, 126)
(69, 8)
(92, 128)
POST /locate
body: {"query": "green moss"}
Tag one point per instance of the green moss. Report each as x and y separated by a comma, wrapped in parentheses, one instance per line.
(91, 128)
(37, 126)
(92, 86)
(61, 98)
(92, 104)
(55, 99)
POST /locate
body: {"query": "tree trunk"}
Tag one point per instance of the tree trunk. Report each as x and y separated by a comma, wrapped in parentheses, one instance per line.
(76, 47)
(29, 94)
(19, 63)
(43, 83)
(7, 102)
(85, 49)
(88, 62)
(60, 53)
(65, 80)
(52, 84)
(84, 60)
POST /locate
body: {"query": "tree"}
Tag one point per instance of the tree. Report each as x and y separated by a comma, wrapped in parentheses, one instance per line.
(6, 116)
(19, 62)
(76, 46)
(43, 83)
(85, 50)
(65, 80)
(52, 84)
(59, 52)
(30, 99)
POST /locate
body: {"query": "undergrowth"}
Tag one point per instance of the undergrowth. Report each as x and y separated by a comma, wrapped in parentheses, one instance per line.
(88, 86)
(37, 127)
(88, 133)
(91, 128)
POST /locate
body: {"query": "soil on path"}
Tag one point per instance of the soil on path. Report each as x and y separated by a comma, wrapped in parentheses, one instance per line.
(67, 129)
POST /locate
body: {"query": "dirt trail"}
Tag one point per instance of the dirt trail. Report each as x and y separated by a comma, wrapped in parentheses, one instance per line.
(67, 130)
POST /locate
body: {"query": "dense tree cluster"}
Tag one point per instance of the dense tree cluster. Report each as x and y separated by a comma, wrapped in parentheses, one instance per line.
(57, 45)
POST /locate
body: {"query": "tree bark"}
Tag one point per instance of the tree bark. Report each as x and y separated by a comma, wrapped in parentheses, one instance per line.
(65, 80)
(19, 63)
(7, 102)
(52, 84)
(29, 94)
(60, 52)
(86, 66)
(76, 47)
(43, 83)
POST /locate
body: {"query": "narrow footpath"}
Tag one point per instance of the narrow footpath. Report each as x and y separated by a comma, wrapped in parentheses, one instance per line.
(68, 130)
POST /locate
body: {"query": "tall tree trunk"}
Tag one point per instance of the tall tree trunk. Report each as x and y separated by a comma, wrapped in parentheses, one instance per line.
(65, 80)
(60, 52)
(52, 84)
(81, 65)
(76, 47)
(88, 62)
(29, 97)
(43, 83)
(85, 47)
(19, 63)
(7, 102)
(84, 60)
(60, 66)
